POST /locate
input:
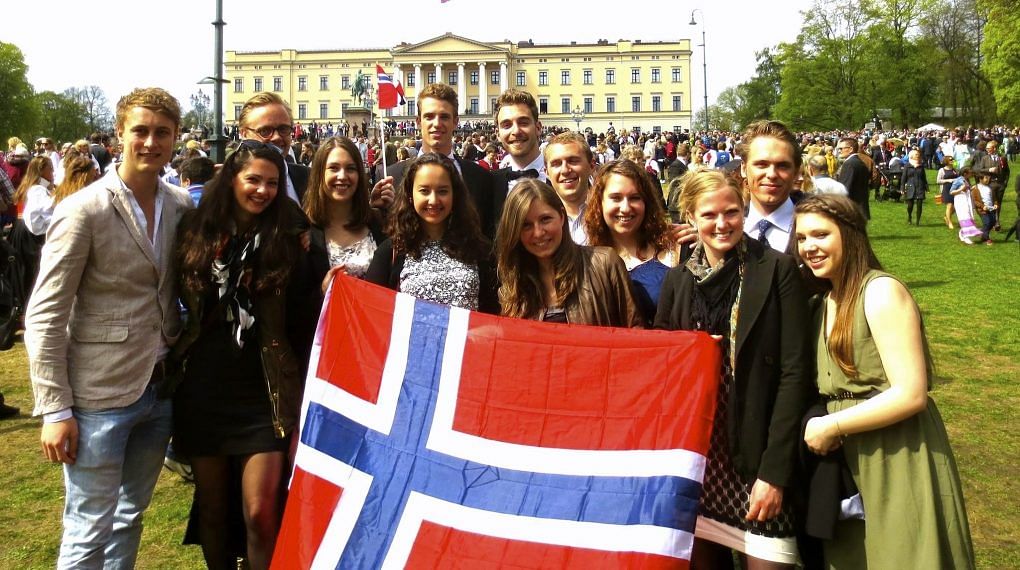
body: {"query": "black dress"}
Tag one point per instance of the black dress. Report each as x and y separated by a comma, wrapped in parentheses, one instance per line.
(222, 405)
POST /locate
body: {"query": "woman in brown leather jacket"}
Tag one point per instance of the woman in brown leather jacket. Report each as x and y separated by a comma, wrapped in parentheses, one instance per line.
(243, 283)
(545, 276)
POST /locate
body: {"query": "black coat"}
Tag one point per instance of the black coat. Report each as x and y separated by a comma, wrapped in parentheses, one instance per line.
(856, 176)
(773, 380)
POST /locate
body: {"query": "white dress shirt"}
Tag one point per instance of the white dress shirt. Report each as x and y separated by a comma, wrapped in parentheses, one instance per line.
(38, 207)
(779, 232)
(537, 164)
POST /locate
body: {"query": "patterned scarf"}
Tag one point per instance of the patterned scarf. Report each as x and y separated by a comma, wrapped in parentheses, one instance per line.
(232, 271)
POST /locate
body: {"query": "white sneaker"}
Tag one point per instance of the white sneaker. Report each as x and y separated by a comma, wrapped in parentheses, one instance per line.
(967, 241)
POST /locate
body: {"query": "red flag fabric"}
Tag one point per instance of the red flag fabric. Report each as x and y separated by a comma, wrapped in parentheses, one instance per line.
(438, 437)
(387, 91)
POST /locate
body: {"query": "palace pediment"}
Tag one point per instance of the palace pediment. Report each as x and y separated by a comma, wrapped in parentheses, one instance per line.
(448, 44)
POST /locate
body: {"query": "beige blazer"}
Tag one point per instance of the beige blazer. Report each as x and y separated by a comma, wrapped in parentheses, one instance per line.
(102, 304)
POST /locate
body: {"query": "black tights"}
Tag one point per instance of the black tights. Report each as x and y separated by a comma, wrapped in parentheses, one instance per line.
(261, 477)
(910, 210)
(711, 556)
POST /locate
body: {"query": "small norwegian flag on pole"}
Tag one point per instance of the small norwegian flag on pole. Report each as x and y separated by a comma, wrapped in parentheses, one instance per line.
(390, 95)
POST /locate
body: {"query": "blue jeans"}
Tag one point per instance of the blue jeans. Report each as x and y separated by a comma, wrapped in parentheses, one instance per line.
(120, 454)
(988, 220)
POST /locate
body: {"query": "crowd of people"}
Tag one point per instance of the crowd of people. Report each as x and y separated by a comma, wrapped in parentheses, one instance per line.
(171, 297)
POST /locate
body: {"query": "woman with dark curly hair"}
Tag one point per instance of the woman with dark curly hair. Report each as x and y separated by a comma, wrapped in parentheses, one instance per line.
(623, 213)
(243, 282)
(436, 250)
(545, 276)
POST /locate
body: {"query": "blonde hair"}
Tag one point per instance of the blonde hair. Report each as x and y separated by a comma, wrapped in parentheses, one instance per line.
(696, 184)
(261, 99)
(78, 173)
(152, 98)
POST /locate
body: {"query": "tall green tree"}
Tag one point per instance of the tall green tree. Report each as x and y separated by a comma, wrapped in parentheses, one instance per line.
(758, 97)
(18, 113)
(963, 89)
(61, 118)
(822, 72)
(897, 74)
(97, 108)
(1000, 48)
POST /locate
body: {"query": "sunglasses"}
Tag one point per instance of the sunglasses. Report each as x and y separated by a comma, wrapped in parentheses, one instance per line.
(252, 144)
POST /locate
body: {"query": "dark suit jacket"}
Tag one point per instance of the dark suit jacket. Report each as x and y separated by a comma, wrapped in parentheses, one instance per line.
(480, 185)
(773, 381)
(299, 178)
(856, 176)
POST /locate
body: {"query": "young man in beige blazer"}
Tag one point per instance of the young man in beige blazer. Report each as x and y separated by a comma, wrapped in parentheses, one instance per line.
(100, 322)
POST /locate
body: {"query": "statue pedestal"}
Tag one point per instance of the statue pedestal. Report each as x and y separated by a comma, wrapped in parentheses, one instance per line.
(358, 116)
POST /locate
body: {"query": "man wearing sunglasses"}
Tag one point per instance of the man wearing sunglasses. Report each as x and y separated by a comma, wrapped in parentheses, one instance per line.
(267, 118)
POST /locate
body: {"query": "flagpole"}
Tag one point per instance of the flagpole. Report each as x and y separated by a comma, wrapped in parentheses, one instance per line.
(382, 136)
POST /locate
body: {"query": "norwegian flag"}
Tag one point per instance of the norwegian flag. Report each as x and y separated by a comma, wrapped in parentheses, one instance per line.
(390, 95)
(438, 437)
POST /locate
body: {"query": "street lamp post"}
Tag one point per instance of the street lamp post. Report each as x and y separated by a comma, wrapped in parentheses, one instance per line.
(578, 116)
(218, 141)
(704, 60)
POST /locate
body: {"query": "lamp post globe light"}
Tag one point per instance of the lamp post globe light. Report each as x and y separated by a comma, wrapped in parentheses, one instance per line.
(578, 115)
(704, 61)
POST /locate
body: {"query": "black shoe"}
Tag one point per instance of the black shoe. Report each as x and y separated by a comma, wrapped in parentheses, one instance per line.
(8, 411)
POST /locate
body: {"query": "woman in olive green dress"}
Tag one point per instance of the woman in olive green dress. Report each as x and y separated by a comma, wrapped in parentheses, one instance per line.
(875, 371)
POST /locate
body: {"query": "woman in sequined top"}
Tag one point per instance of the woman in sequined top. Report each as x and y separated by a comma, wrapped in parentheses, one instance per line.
(436, 250)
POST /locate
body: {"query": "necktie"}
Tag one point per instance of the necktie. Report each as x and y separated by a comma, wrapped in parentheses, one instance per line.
(515, 174)
(763, 228)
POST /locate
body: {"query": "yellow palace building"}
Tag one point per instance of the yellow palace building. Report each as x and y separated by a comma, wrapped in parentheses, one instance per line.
(626, 83)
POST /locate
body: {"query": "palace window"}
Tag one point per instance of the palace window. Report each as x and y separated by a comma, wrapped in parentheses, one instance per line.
(543, 78)
(522, 78)
(610, 76)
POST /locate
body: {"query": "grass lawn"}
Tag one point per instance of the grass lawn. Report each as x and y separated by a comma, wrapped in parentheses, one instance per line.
(970, 296)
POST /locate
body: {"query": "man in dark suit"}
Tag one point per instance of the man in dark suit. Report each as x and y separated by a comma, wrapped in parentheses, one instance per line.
(854, 174)
(520, 132)
(437, 119)
(267, 118)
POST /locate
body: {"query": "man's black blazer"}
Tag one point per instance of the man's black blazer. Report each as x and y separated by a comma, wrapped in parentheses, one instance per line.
(856, 176)
(299, 178)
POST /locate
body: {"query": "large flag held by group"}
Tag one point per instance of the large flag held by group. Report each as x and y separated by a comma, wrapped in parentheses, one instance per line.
(438, 437)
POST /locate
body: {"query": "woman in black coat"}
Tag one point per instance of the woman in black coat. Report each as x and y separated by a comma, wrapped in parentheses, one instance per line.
(914, 185)
(752, 299)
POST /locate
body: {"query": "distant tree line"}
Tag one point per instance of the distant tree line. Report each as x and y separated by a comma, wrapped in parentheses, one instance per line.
(898, 59)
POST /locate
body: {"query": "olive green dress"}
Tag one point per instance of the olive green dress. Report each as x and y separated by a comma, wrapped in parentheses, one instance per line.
(913, 501)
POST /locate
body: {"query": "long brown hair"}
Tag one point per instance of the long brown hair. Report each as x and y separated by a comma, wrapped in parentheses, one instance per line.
(79, 172)
(203, 230)
(653, 230)
(845, 285)
(463, 239)
(316, 200)
(520, 290)
(32, 176)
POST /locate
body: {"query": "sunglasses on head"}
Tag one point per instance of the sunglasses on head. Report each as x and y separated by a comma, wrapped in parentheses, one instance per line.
(251, 144)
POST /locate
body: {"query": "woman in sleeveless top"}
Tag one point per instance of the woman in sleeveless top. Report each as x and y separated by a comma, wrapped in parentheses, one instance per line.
(623, 213)
(345, 230)
(874, 371)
